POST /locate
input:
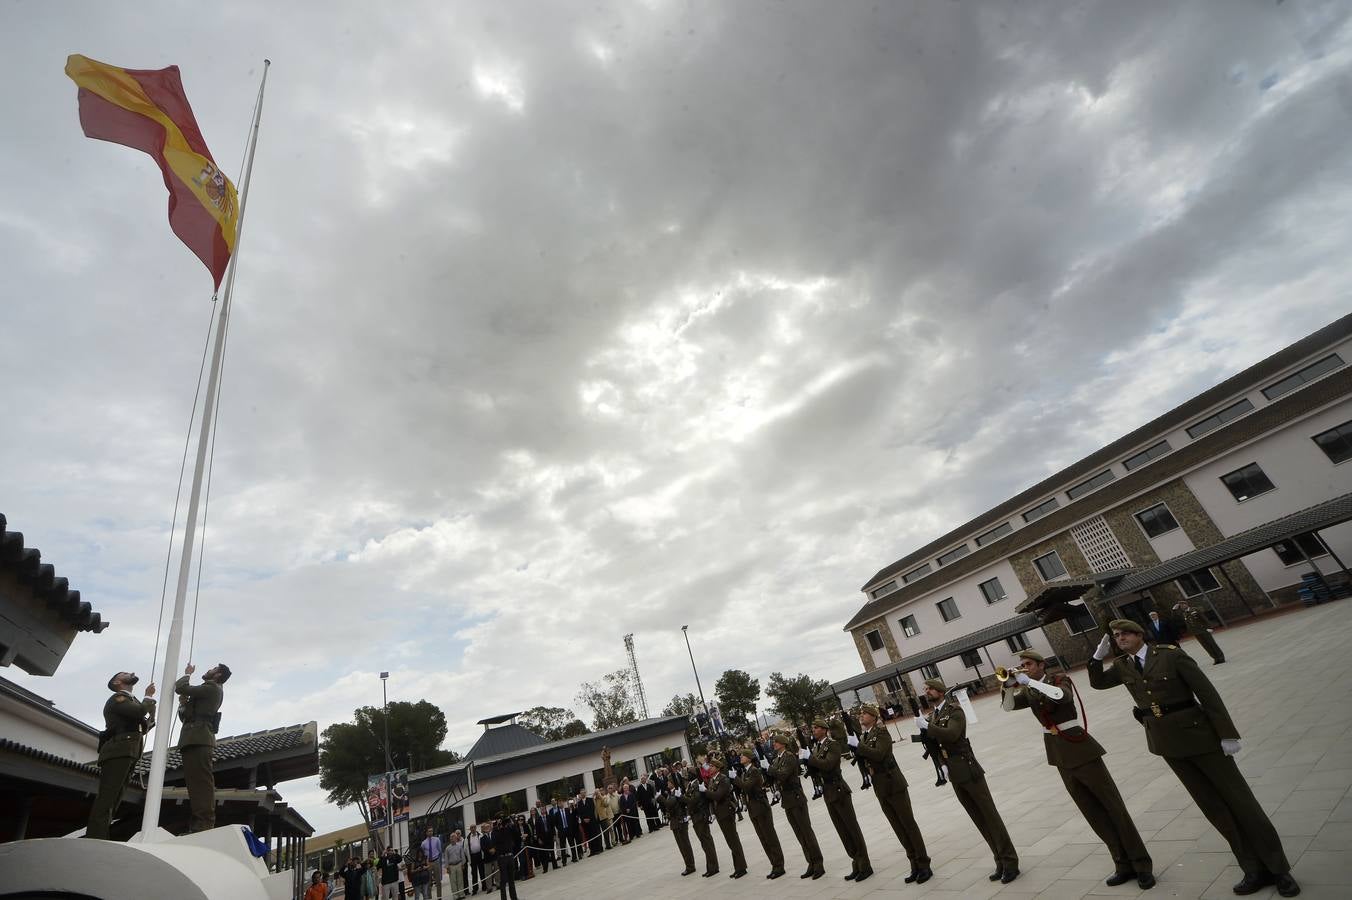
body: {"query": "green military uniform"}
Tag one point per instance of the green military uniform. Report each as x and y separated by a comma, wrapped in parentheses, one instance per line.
(948, 725)
(784, 771)
(196, 743)
(1078, 759)
(825, 758)
(697, 807)
(889, 786)
(126, 721)
(1185, 721)
(1198, 626)
(674, 807)
(725, 812)
(752, 786)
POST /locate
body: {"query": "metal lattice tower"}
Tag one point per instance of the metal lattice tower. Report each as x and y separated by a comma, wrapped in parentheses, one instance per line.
(640, 699)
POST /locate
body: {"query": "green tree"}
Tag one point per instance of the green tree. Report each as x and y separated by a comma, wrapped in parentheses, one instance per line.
(350, 751)
(737, 695)
(794, 698)
(553, 723)
(610, 700)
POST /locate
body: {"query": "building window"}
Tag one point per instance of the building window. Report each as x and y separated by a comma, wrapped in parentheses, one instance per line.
(992, 590)
(1049, 566)
(1040, 510)
(893, 684)
(1153, 452)
(1092, 484)
(1289, 552)
(971, 658)
(1304, 376)
(1199, 582)
(994, 534)
(874, 638)
(1336, 443)
(1247, 482)
(908, 626)
(915, 573)
(955, 554)
(1017, 642)
(1079, 619)
(948, 609)
(884, 590)
(1233, 411)
(930, 671)
(1156, 520)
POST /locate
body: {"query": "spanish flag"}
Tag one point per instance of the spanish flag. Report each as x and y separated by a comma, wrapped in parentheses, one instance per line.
(147, 110)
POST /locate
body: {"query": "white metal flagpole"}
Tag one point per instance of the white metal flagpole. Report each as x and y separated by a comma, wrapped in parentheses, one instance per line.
(150, 818)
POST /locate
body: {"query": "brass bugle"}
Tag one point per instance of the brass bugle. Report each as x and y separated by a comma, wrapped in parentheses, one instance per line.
(1002, 674)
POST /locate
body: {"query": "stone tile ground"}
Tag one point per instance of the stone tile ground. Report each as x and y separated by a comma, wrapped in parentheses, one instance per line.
(1287, 683)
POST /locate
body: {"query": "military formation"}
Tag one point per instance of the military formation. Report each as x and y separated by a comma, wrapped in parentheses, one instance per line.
(1184, 719)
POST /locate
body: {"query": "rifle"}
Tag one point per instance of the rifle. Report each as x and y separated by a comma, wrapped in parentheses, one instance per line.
(934, 753)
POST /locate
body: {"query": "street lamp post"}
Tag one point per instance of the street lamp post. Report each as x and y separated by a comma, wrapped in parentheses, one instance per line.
(389, 764)
(685, 630)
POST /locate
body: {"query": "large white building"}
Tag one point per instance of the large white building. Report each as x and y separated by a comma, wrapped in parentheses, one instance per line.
(1267, 443)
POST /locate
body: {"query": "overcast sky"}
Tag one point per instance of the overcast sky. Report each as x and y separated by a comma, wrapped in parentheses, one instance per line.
(613, 317)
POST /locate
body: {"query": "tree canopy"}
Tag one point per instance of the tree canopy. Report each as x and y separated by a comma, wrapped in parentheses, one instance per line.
(610, 700)
(553, 723)
(794, 698)
(737, 694)
(351, 751)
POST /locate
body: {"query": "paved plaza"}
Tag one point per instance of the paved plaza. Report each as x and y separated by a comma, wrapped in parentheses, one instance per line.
(1287, 682)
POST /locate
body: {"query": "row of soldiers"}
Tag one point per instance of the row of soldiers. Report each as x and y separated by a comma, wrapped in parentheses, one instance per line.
(1185, 722)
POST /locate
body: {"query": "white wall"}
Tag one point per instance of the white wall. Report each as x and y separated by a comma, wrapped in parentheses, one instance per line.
(527, 779)
(26, 725)
(1303, 476)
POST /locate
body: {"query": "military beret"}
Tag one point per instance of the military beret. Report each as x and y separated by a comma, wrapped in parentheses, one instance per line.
(1125, 625)
(784, 739)
(746, 750)
(870, 708)
(936, 683)
(820, 723)
(716, 758)
(1031, 654)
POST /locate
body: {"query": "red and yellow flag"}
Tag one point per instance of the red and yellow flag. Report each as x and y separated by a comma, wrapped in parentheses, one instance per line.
(147, 110)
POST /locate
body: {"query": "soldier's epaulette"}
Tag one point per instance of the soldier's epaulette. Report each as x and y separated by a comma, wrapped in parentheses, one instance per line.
(120, 698)
(1168, 646)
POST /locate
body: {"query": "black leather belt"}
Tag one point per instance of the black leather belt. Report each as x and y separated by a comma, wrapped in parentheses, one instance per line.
(1160, 710)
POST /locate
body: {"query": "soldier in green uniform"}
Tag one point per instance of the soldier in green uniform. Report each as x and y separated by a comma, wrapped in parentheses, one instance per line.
(125, 722)
(751, 783)
(697, 807)
(674, 806)
(948, 724)
(725, 811)
(198, 709)
(784, 770)
(1186, 722)
(825, 759)
(874, 746)
(1078, 759)
(1200, 628)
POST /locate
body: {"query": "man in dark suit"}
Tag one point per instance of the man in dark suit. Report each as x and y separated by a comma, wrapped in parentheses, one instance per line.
(647, 801)
(542, 836)
(591, 826)
(561, 828)
(1161, 630)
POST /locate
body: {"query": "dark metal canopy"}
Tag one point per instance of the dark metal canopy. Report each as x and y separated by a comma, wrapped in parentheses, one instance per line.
(1068, 590)
(1314, 518)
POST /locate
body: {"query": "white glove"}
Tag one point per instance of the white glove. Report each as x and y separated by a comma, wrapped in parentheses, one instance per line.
(922, 722)
(1230, 746)
(1021, 678)
(678, 793)
(701, 787)
(852, 741)
(1105, 649)
(803, 754)
(765, 764)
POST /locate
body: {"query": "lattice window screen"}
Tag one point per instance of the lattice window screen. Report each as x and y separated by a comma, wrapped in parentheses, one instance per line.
(1099, 545)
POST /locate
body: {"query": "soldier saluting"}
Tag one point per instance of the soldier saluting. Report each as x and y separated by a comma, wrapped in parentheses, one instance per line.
(125, 722)
(199, 710)
(874, 746)
(1079, 761)
(1186, 722)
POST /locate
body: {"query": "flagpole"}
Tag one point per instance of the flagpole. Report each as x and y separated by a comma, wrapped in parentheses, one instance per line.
(150, 818)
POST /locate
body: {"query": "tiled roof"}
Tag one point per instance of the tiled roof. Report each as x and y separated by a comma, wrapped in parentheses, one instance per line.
(9, 746)
(503, 739)
(29, 570)
(1322, 515)
(1262, 420)
(241, 747)
(1179, 416)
